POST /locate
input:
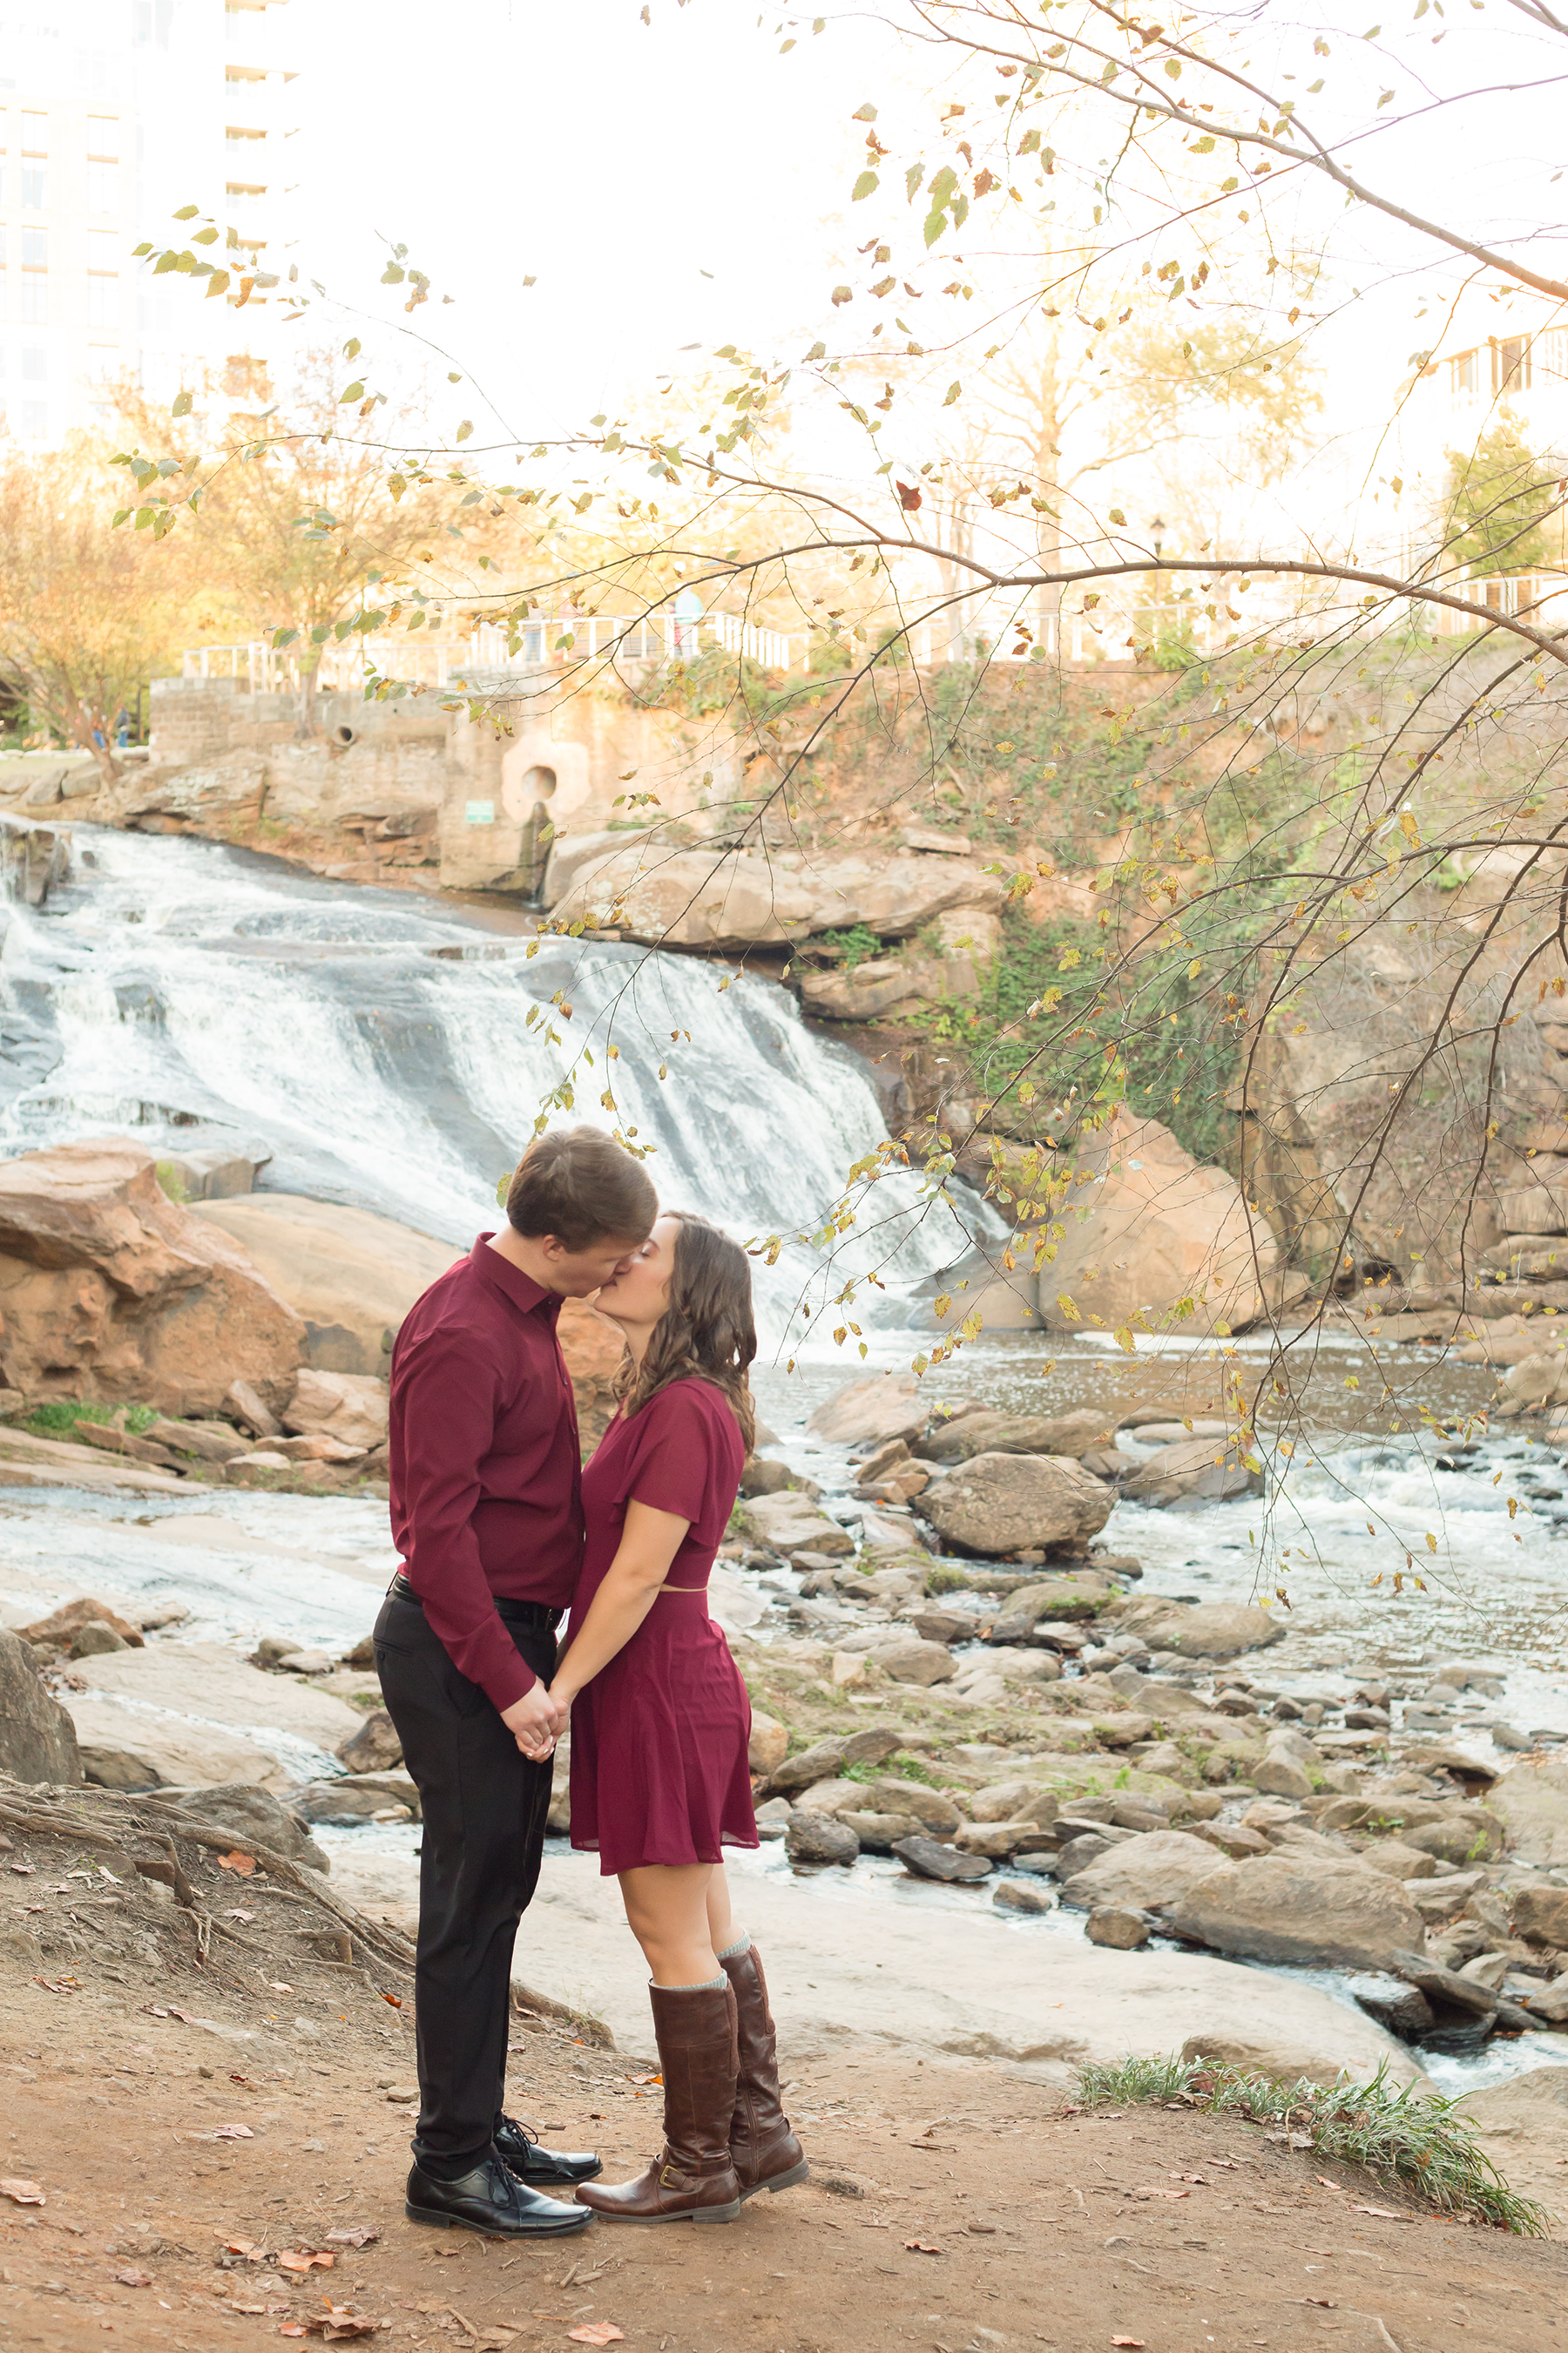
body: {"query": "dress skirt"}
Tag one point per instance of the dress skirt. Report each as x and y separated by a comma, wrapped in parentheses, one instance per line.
(659, 1738)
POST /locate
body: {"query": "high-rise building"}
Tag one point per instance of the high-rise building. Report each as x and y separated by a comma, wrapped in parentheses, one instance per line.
(113, 113)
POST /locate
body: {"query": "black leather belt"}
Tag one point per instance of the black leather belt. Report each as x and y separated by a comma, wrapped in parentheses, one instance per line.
(511, 1613)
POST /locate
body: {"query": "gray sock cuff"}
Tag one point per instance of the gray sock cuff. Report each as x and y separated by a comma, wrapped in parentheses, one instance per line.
(703, 1984)
(742, 1944)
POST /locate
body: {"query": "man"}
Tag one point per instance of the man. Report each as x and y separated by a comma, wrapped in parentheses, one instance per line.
(486, 1514)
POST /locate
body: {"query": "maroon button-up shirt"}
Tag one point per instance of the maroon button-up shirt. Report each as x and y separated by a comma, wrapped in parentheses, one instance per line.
(486, 1469)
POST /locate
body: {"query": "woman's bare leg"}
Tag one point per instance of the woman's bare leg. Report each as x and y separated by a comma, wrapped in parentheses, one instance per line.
(667, 1912)
(721, 1929)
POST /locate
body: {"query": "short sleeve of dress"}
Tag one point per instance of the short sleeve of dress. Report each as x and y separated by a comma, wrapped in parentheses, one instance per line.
(677, 1458)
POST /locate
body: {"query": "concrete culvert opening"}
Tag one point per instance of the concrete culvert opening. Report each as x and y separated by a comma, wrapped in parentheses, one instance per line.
(539, 783)
(345, 734)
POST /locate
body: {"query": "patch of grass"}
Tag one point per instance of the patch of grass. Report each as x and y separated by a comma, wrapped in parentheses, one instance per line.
(170, 1180)
(859, 945)
(1405, 2135)
(942, 1579)
(900, 1767)
(59, 1416)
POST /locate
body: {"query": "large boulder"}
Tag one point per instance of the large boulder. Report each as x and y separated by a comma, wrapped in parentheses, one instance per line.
(594, 1350)
(790, 1522)
(1204, 1630)
(1149, 1234)
(1193, 1470)
(872, 1409)
(712, 898)
(205, 1686)
(350, 1407)
(351, 1276)
(107, 1288)
(1302, 1907)
(1522, 2127)
(1533, 1799)
(253, 1813)
(988, 1432)
(999, 1503)
(124, 1747)
(1147, 1873)
(37, 1739)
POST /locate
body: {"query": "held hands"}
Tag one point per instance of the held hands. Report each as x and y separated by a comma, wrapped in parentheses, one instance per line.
(535, 1721)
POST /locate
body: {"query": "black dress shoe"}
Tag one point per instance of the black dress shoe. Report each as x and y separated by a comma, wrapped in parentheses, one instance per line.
(489, 2201)
(553, 2169)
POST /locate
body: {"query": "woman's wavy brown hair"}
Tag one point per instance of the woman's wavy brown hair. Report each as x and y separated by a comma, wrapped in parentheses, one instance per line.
(707, 1332)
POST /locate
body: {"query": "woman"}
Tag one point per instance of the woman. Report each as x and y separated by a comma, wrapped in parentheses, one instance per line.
(661, 1720)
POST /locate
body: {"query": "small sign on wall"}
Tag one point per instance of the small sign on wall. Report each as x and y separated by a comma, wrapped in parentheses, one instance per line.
(480, 813)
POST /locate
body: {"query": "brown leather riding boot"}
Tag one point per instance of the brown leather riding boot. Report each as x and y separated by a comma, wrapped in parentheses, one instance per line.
(766, 2153)
(694, 2180)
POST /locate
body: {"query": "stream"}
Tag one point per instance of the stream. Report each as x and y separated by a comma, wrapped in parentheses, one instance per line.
(375, 1047)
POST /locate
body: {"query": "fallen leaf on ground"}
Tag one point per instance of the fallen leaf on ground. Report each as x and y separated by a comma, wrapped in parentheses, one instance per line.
(238, 1861)
(24, 1870)
(131, 2278)
(21, 2193)
(1147, 2192)
(291, 2328)
(364, 2234)
(233, 2132)
(1323, 2182)
(292, 2259)
(1135, 2342)
(244, 1918)
(340, 2322)
(596, 2332)
(235, 2305)
(1191, 2177)
(1384, 2213)
(1327, 2302)
(920, 2247)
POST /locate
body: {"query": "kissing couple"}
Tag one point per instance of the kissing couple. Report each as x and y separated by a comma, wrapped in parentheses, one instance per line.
(502, 1531)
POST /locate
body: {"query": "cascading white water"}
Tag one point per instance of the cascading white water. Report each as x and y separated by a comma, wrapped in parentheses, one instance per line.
(378, 1047)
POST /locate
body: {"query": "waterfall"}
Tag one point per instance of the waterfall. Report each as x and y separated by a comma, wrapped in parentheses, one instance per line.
(377, 1046)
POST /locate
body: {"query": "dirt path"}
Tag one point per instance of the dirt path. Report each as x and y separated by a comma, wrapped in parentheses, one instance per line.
(954, 2207)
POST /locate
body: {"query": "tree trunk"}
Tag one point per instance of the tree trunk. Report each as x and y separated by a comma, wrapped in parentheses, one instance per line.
(1047, 479)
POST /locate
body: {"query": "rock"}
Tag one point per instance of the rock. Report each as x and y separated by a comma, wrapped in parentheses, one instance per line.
(880, 1407)
(252, 1412)
(253, 1813)
(57, 1632)
(1300, 1907)
(351, 1407)
(1445, 1984)
(910, 1660)
(131, 1748)
(1440, 1900)
(1401, 2009)
(1277, 1775)
(928, 1860)
(872, 1744)
(1046, 1613)
(1020, 1895)
(375, 1747)
(93, 1639)
(988, 1432)
(1542, 1915)
(817, 1763)
(1119, 1927)
(205, 1685)
(878, 1833)
(1014, 1801)
(999, 1503)
(932, 1809)
(1399, 1861)
(650, 890)
(1465, 1834)
(1458, 1762)
(350, 1275)
(1227, 1838)
(343, 1805)
(768, 1745)
(208, 1442)
(1264, 2050)
(1146, 1228)
(1085, 1847)
(1521, 2126)
(1206, 1630)
(1532, 1797)
(814, 1839)
(1145, 1873)
(760, 1477)
(110, 1289)
(1000, 1840)
(1203, 1470)
(774, 1817)
(791, 1524)
(1550, 2003)
(37, 1738)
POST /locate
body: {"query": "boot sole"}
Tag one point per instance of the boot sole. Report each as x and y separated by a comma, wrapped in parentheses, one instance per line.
(460, 2222)
(797, 2173)
(697, 2214)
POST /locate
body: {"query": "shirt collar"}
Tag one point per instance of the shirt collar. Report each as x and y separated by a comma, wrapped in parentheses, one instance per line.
(510, 1280)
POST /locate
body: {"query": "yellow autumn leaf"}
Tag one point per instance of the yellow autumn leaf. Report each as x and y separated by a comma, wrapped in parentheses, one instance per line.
(1408, 828)
(1431, 1543)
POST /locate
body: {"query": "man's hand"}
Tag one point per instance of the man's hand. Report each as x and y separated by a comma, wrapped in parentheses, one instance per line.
(534, 1721)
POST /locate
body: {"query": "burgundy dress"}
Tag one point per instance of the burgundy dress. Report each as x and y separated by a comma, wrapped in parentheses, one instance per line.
(659, 1770)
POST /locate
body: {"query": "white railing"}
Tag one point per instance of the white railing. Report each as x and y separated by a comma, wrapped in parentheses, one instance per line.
(1539, 596)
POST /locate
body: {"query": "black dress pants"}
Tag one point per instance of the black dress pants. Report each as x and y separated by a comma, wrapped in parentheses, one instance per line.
(485, 1806)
